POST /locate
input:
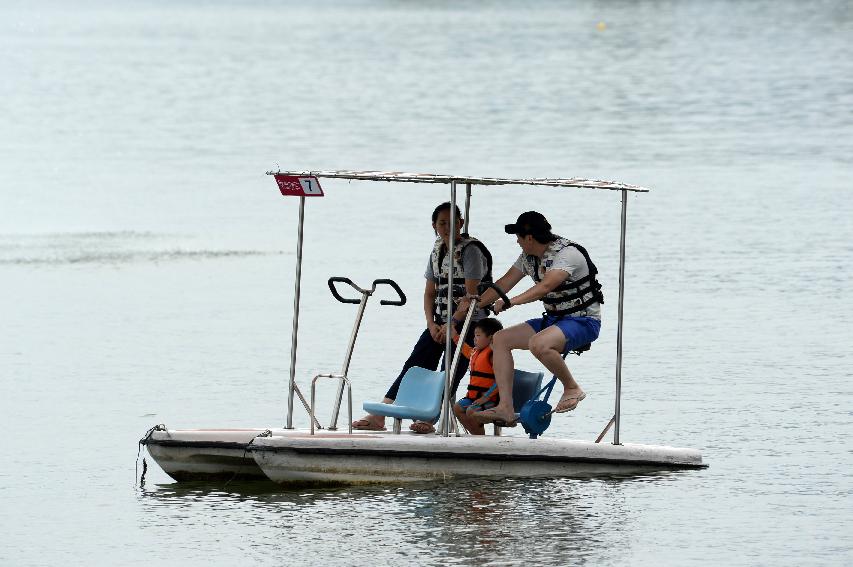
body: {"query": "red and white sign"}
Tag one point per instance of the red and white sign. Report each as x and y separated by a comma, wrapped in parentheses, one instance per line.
(298, 185)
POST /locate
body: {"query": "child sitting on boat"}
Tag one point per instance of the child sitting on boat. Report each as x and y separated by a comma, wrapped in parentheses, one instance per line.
(482, 390)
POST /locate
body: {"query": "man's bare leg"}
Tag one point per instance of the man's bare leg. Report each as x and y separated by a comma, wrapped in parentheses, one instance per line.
(547, 346)
(503, 343)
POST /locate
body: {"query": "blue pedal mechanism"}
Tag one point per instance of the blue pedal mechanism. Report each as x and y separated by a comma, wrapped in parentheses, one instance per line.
(535, 417)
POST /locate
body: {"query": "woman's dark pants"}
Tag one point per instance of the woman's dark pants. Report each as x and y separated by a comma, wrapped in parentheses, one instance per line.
(427, 354)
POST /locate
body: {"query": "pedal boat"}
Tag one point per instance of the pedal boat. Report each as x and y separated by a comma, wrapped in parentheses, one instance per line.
(292, 456)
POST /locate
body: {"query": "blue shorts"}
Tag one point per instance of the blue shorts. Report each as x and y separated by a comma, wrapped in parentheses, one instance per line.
(465, 403)
(579, 331)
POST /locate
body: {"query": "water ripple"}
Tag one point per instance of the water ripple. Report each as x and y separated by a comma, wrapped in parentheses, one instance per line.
(106, 248)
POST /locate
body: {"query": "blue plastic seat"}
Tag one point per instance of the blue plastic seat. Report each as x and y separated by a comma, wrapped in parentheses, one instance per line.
(419, 397)
(525, 385)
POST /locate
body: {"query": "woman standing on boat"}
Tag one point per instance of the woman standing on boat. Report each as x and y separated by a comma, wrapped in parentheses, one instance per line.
(565, 281)
(472, 265)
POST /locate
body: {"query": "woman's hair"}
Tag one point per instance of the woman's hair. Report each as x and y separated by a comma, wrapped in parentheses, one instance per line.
(544, 238)
(489, 326)
(445, 207)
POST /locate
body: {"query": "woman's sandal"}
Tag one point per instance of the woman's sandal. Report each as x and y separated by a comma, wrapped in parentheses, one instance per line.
(365, 424)
(422, 427)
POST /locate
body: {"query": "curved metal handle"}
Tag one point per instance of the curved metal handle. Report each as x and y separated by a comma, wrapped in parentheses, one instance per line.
(348, 281)
(507, 303)
(392, 283)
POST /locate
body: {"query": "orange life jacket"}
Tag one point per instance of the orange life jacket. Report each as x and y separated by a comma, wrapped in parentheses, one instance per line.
(482, 373)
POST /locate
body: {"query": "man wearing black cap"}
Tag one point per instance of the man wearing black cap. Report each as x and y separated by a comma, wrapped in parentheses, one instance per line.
(566, 283)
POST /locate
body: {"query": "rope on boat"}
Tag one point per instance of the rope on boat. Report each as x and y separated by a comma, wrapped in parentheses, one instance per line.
(606, 429)
(158, 427)
(264, 433)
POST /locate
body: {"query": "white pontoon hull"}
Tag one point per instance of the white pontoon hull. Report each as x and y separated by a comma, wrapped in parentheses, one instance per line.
(323, 459)
(206, 454)
(214, 454)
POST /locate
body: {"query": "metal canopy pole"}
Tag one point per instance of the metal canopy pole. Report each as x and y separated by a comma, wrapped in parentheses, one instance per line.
(619, 324)
(448, 344)
(467, 208)
(292, 384)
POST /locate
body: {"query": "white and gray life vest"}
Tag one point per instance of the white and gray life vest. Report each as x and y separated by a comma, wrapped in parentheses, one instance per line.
(572, 297)
(439, 270)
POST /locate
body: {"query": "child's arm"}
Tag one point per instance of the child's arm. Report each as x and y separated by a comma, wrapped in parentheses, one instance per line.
(466, 348)
(462, 309)
(485, 397)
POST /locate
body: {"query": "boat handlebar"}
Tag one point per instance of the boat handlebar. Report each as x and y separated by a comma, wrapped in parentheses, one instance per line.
(347, 281)
(366, 292)
(499, 291)
(392, 283)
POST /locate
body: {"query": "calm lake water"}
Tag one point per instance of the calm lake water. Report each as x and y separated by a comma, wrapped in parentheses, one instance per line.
(146, 265)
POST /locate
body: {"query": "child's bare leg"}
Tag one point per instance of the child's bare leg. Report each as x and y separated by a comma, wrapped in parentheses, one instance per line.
(459, 412)
(473, 427)
(469, 424)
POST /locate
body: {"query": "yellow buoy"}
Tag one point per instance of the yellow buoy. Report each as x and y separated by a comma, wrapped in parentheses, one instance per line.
(601, 26)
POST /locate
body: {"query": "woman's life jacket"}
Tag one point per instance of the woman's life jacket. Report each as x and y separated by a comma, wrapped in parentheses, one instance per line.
(440, 271)
(572, 297)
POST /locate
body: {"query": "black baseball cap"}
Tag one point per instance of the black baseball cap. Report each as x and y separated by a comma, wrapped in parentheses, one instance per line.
(530, 222)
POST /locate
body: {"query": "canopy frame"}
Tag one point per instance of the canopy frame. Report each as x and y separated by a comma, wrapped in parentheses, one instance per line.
(400, 177)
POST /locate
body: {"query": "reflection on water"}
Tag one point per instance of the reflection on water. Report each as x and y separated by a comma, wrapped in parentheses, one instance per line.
(494, 522)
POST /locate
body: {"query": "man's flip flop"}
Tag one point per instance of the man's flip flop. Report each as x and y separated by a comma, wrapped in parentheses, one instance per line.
(502, 423)
(569, 407)
(491, 416)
